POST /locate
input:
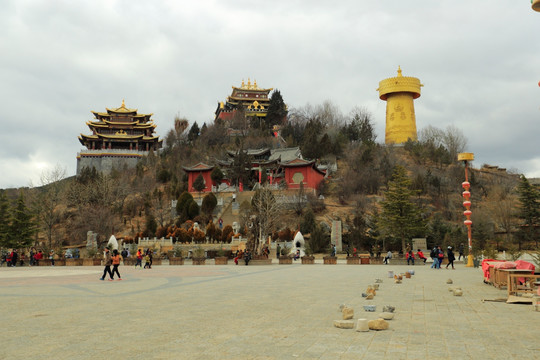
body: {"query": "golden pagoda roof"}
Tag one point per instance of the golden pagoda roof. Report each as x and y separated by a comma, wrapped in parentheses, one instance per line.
(399, 83)
(250, 86)
(122, 109)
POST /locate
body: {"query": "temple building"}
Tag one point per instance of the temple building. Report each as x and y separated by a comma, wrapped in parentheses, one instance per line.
(277, 167)
(120, 137)
(253, 100)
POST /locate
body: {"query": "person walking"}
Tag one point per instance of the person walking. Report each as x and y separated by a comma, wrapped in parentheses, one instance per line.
(139, 259)
(451, 258)
(278, 251)
(434, 254)
(461, 251)
(108, 263)
(440, 256)
(116, 262)
(387, 257)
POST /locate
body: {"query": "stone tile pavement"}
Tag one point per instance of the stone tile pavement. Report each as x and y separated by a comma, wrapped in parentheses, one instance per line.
(256, 312)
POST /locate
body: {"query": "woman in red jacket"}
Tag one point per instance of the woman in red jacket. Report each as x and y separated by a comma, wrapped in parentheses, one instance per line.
(421, 255)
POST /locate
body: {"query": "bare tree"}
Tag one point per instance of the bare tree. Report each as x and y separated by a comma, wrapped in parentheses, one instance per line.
(454, 140)
(49, 198)
(266, 210)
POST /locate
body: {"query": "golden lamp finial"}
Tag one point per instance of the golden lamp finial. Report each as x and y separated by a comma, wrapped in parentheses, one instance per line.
(243, 85)
(249, 83)
(399, 71)
(123, 104)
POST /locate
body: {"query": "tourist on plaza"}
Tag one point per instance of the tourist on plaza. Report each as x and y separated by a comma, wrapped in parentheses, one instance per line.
(139, 259)
(333, 250)
(116, 262)
(14, 257)
(147, 261)
(21, 261)
(451, 258)
(441, 256)
(38, 257)
(108, 262)
(434, 254)
(51, 257)
(461, 251)
(31, 258)
(379, 251)
(9, 258)
(278, 251)
(421, 256)
(410, 257)
(238, 256)
(150, 255)
(296, 255)
(124, 254)
(247, 256)
(387, 257)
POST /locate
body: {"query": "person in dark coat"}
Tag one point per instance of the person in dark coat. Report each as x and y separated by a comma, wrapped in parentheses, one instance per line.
(451, 257)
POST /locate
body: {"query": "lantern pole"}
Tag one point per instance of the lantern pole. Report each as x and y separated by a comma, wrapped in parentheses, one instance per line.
(466, 157)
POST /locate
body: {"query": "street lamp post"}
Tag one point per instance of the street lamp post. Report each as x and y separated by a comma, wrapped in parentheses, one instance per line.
(466, 157)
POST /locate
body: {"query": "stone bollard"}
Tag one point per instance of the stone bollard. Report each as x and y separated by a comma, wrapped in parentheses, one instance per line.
(458, 292)
(344, 324)
(449, 281)
(347, 313)
(388, 308)
(362, 325)
(386, 315)
(379, 324)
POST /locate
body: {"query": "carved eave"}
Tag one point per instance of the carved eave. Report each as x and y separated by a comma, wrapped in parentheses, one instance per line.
(198, 167)
(121, 136)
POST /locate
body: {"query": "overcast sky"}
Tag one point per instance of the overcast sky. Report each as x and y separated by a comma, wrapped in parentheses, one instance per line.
(479, 62)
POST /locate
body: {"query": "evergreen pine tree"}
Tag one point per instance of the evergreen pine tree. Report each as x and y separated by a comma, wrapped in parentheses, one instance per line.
(5, 219)
(400, 217)
(529, 211)
(22, 226)
(277, 110)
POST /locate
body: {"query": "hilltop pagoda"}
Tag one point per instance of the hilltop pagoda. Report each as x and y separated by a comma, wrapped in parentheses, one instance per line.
(120, 137)
(253, 100)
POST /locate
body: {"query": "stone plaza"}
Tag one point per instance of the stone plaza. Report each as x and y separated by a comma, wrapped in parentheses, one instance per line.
(257, 312)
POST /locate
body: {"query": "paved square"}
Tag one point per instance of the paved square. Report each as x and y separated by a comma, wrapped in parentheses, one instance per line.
(256, 312)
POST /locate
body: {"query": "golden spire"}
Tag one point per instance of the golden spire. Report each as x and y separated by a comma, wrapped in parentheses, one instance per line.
(243, 85)
(255, 84)
(399, 71)
(249, 84)
(123, 104)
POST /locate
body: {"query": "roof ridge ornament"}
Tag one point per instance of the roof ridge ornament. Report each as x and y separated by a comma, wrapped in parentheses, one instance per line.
(399, 71)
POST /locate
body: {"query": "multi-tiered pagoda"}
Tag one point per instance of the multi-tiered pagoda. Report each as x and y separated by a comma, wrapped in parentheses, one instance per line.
(253, 100)
(120, 137)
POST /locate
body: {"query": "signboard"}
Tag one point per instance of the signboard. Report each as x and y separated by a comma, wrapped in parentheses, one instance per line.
(335, 238)
(419, 243)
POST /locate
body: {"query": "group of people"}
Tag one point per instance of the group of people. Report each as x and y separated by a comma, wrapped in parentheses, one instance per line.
(437, 254)
(109, 260)
(246, 255)
(148, 257)
(17, 258)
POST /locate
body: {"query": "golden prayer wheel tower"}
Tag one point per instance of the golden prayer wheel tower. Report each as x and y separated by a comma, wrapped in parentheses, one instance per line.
(399, 93)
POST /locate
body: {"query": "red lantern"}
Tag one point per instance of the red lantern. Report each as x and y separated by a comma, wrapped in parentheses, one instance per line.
(467, 213)
(468, 222)
(467, 204)
(466, 185)
(467, 194)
